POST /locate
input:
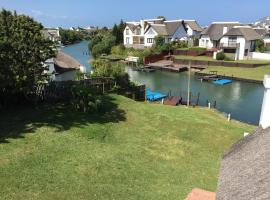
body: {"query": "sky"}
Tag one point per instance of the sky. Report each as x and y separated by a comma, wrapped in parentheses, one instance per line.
(83, 13)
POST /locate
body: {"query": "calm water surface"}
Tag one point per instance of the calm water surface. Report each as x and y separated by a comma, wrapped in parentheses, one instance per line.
(243, 100)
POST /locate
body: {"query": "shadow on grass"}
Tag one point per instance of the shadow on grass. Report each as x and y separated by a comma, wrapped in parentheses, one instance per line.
(14, 123)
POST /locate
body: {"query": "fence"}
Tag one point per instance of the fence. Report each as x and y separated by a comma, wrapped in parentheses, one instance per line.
(259, 56)
(62, 91)
(154, 58)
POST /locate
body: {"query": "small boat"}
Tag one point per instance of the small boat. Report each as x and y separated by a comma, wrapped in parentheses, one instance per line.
(222, 81)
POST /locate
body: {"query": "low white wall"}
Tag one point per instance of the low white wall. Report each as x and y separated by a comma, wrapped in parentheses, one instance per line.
(259, 56)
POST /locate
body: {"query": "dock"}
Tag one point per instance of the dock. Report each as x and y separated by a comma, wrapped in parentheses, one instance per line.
(172, 101)
(154, 96)
(167, 65)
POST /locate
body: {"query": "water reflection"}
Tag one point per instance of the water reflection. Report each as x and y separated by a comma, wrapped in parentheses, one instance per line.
(242, 100)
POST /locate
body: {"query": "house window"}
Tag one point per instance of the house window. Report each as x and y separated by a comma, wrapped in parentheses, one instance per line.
(127, 40)
(169, 39)
(138, 31)
(232, 40)
(127, 31)
(150, 40)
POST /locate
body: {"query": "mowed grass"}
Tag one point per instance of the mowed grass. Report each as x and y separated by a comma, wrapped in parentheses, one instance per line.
(246, 73)
(133, 151)
(206, 58)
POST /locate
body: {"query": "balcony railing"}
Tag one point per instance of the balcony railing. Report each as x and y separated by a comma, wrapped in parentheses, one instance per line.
(230, 45)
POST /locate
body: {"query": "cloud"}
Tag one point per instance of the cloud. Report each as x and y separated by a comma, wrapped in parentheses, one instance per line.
(37, 12)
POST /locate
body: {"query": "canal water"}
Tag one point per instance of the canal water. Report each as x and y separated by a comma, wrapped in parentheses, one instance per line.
(241, 99)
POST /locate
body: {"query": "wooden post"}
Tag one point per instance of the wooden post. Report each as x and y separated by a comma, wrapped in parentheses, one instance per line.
(198, 98)
(103, 88)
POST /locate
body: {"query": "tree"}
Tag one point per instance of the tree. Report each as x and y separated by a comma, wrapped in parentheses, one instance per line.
(260, 46)
(159, 40)
(161, 17)
(107, 41)
(118, 30)
(23, 51)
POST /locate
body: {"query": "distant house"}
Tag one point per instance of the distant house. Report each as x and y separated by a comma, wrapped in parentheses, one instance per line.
(142, 34)
(52, 34)
(63, 67)
(264, 23)
(231, 37)
(240, 40)
(264, 33)
(210, 37)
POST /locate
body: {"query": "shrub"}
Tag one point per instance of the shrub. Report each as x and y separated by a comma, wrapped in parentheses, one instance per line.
(119, 50)
(220, 56)
(85, 99)
(179, 44)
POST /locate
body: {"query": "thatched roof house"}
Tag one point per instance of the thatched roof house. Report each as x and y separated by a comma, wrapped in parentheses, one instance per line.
(64, 63)
(245, 169)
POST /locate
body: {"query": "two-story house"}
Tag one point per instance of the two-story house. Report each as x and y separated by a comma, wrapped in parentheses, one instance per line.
(142, 34)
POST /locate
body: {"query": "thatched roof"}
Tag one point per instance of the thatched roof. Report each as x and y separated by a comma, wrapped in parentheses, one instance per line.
(247, 32)
(215, 30)
(160, 29)
(64, 62)
(245, 169)
(172, 26)
(193, 25)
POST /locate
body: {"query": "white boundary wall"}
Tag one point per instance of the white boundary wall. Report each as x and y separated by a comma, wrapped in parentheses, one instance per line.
(259, 56)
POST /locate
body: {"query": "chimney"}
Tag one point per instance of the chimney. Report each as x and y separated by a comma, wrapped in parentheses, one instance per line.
(265, 114)
(225, 30)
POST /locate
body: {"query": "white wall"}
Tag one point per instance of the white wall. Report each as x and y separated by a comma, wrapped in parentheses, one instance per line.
(205, 42)
(259, 56)
(240, 52)
(150, 34)
(265, 114)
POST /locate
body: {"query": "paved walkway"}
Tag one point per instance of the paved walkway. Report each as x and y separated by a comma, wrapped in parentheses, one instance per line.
(199, 194)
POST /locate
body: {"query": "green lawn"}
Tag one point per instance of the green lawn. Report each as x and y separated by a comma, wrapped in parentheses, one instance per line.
(134, 151)
(247, 73)
(206, 58)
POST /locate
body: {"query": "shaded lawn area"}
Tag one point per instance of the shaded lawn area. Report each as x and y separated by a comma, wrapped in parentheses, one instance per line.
(247, 73)
(133, 151)
(206, 58)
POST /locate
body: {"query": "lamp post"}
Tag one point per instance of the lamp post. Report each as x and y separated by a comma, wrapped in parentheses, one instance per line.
(188, 97)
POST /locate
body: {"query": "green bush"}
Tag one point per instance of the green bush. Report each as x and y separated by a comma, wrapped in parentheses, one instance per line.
(85, 99)
(119, 50)
(179, 45)
(220, 56)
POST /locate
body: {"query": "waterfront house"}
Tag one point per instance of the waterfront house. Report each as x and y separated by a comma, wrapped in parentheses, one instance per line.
(231, 37)
(210, 37)
(142, 34)
(240, 41)
(245, 171)
(63, 67)
(264, 23)
(52, 34)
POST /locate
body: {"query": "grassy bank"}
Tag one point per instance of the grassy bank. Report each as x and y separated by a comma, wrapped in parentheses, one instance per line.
(246, 73)
(134, 151)
(206, 58)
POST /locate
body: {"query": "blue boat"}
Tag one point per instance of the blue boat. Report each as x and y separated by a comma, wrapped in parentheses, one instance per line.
(223, 81)
(154, 96)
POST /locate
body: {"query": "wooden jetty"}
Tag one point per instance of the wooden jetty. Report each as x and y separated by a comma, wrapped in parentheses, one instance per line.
(172, 101)
(210, 77)
(167, 65)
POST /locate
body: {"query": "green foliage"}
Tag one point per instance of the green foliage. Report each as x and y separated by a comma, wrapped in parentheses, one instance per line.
(23, 50)
(70, 37)
(105, 68)
(119, 50)
(260, 47)
(221, 56)
(159, 40)
(179, 44)
(85, 99)
(107, 41)
(117, 32)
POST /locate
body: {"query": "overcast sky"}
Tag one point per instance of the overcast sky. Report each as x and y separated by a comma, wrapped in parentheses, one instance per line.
(67, 13)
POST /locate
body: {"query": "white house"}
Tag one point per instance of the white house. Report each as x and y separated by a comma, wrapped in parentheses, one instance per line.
(231, 37)
(52, 34)
(141, 34)
(239, 40)
(211, 36)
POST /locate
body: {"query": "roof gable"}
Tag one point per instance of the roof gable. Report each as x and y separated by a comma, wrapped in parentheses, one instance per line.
(247, 32)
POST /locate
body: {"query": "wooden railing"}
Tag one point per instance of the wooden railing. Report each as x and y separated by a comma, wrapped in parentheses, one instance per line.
(230, 45)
